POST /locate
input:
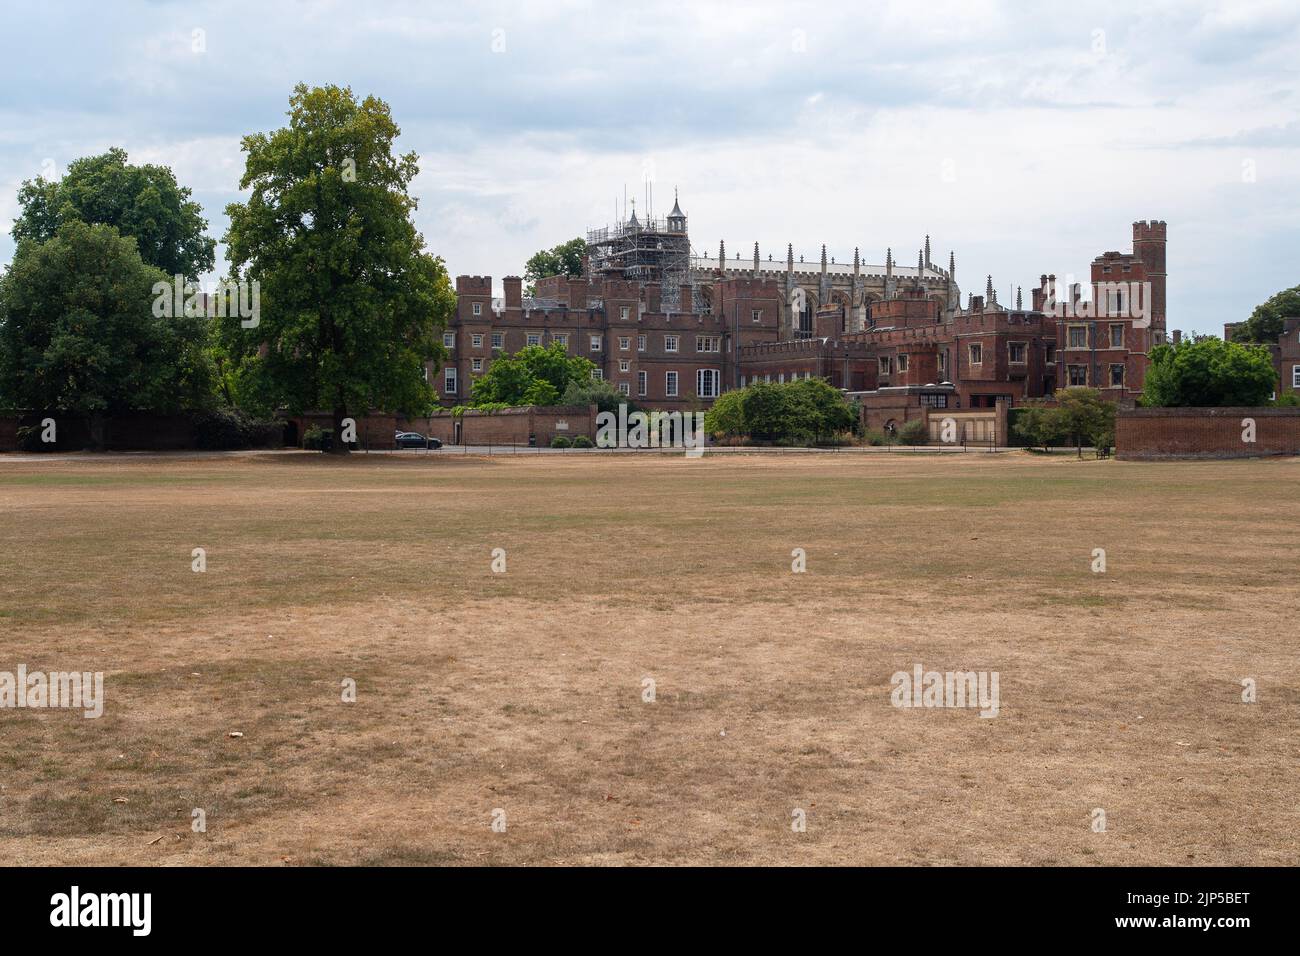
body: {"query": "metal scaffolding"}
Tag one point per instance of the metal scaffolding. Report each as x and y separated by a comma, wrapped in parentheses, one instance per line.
(650, 250)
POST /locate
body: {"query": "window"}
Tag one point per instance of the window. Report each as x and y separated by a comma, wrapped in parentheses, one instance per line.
(595, 343)
(1078, 336)
(624, 365)
(1117, 335)
(934, 401)
(884, 365)
(641, 383)
(1016, 353)
(597, 374)
(498, 340)
(670, 384)
(562, 338)
(476, 365)
(624, 342)
(477, 308)
(707, 381)
(476, 340)
(449, 380)
(624, 388)
(449, 340)
(670, 343)
(640, 343)
(533, 338)
(976, 354)
(624, 312)
(943, 364)
(902, 363)
(781, 377)
(756, 315)
(1077, 374)
(1117, 376)
(1295, 376)
(1050, 352)
(708, 343)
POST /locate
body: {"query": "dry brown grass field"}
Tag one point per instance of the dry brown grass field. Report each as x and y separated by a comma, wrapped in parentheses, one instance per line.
(522, 691)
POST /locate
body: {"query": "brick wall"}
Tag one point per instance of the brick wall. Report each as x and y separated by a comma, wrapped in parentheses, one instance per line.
(1154, 433)
(510, 426)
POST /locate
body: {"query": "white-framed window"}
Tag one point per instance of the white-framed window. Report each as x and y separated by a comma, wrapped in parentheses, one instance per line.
(449, 340)
(708, 343)
(884, 364)
(532, 338)
(707, 382)
(624, 343)
(1295, 376)
(476, 365)
(624, 388)
(476, 340)
(1016, 353)
(1076, 375)
(624, 365)
(562, 338)
(597, 374)
(1117, 376)
(595, 343)
(670, 384)
(976, 353)
(1117, 335)
(642, 382)
(756, 315)
(902, 362)
(640, 343)
(624, 312)
(1078, 336)
(498, 340)
(449, 380)
(476, 308)
(670, 343)
(781, 377)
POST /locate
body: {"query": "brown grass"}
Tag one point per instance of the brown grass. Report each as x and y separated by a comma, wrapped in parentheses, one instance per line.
(522, 691)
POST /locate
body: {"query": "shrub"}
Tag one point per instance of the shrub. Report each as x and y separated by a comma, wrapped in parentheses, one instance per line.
(877, 438)
(915, 432)
(582, 441)
(313, 439)
(561, 441)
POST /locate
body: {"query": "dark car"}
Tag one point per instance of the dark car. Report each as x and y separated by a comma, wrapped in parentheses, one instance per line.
(415, 440)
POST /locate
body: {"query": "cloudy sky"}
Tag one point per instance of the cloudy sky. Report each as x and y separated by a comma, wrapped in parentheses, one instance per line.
(1026, 137)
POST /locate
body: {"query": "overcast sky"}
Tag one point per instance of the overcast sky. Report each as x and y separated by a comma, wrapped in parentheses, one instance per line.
(1026, 137)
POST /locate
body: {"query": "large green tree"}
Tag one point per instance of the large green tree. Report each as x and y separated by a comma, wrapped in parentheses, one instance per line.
(1206, 372)
(562, 260)
(1082, 414)
(352, 304)
(79, 333)
(1265, 323)
(144, 202)
(535, 375)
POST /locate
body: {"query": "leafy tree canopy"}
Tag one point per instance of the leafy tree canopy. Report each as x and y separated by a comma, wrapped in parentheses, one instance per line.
(1265, 323)
(1207, 372)
(804, 410)
(143, 202)
(78, 331)
(352, 305)
(562, 260)
(535, 375)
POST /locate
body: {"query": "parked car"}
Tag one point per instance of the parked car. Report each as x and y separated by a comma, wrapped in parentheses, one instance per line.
(415, 440)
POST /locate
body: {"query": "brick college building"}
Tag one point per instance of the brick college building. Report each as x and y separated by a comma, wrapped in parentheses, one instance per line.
(672, 330)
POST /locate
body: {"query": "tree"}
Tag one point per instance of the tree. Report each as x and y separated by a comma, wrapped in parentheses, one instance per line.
(535, 375)
(599, 392)
(727, 416)
(1209, 372)
(1082, 414)
(144, 202)
(831, 413)
(1038, 424)
(1265, 323)
(562, 260)
(352, 305)
(78, 333)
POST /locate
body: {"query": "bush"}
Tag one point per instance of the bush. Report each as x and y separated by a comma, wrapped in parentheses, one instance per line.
(876, 438)
(561, 441)
(915, 432)
(226, 429)
(29, 439)
(314, 438)
(582, 441)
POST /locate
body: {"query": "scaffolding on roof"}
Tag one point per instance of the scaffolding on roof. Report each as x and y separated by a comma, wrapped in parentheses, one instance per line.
(649, 250)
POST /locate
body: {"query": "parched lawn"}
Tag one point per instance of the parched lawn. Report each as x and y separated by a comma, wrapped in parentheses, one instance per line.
(524, 692)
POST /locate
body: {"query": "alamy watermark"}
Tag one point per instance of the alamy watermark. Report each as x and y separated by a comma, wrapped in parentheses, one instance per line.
(230, 299)
(71, 689)
(651, 430)
(923, 688)
(1110, 300)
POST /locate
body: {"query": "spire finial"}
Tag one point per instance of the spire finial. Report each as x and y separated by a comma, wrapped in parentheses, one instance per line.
(927, 248)
(952, 264)
(1020, 302)
(988, 290)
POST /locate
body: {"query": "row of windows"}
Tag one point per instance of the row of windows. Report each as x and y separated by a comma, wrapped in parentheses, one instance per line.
(703, 343)
(708, 381)
(1078, 375)
(1077, 336)
(767, 377)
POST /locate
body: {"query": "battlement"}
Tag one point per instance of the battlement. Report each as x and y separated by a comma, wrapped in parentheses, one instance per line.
(1154, 229)
(473, 285)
